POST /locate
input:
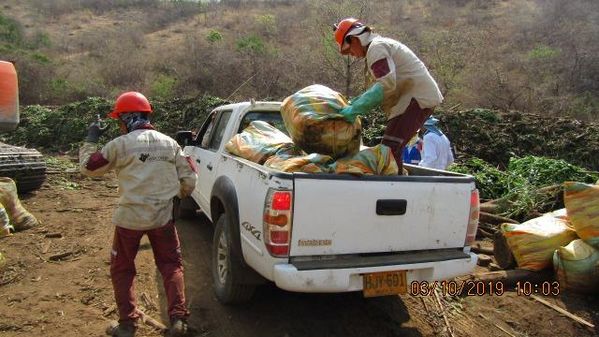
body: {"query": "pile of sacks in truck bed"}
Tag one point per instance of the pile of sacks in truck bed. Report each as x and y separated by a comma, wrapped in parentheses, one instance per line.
(566, 239)
(320, 141)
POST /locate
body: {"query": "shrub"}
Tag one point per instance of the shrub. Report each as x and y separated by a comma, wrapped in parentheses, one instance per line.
(214, 36)
(10, 31)
(63, 128)
(542, 52)
(252, 43)
(268, 24)
(163, 86)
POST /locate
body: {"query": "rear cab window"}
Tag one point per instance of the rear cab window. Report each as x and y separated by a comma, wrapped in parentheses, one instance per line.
(273, 118)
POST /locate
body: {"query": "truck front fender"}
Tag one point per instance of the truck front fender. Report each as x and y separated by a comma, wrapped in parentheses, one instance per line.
(224, 200)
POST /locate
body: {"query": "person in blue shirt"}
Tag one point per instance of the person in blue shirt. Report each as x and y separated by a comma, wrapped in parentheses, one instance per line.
(411, 153)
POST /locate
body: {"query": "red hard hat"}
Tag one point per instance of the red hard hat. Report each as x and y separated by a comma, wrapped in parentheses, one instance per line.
(130, 101)
(343, 27)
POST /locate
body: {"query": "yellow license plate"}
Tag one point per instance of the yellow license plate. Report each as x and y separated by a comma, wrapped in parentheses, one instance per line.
(384, 283)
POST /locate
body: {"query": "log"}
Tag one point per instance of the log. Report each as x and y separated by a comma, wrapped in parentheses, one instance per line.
(479, 249)
(502, 252)
(151, 322)
(485, 233)
(53, 235)
(551, 189)
(487, 227)
(495, 219)
(60, 256)
(484, 260)
(147, 301)
(510, 277)
(494, 267)
(489, 207)
(109, 310)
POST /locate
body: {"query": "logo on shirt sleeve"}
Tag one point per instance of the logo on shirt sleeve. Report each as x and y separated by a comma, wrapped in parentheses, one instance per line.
(380, 68)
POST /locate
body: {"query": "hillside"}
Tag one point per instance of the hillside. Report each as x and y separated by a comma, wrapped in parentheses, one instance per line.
(528, 55)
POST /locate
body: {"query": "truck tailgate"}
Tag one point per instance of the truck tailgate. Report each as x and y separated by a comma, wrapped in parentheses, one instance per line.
(345, 215)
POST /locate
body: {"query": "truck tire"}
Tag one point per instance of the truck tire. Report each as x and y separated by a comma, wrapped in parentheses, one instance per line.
(226, 272)
(185, 208)
(26, 167)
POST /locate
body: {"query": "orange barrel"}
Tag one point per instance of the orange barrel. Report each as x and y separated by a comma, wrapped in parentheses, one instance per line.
(9, 97)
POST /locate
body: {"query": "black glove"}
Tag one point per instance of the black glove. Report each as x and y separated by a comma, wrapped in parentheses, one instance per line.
(95, 130)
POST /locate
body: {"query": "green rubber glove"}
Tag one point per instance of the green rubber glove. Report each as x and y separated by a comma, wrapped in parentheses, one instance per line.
(370, 99)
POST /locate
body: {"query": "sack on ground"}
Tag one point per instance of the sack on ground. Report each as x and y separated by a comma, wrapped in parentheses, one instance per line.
(2, 261)
(258, 141)
(577, 267)
(19, 217)
(5, 227)
(312, 118)
(533, 242)
(582, 204)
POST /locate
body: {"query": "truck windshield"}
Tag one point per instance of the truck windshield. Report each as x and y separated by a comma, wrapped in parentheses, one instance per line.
(271, 117)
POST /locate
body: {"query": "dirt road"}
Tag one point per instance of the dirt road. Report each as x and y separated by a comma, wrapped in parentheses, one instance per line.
(274, 312)
(56, 283)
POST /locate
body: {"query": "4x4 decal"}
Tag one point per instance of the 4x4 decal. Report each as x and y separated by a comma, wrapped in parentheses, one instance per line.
(250, 228)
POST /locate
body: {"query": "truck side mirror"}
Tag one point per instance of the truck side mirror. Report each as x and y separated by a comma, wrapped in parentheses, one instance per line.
(184, 138)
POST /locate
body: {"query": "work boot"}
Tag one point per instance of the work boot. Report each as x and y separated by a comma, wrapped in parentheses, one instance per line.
(178, 327)
(120, 330)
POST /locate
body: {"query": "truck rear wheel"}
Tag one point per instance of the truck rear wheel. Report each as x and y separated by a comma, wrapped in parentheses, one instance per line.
(226, 271)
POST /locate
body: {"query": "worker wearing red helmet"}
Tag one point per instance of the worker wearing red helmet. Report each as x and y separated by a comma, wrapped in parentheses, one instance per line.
(403, 87)
(151, 170)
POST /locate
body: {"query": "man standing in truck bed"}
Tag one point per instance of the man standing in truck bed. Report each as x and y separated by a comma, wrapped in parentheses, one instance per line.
(403, 87)
(151, 170)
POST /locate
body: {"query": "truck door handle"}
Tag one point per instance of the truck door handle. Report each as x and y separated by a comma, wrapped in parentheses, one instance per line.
(391, 206)
(209, 167)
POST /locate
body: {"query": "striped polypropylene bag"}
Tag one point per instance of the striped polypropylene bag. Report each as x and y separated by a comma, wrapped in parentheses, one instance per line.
(533, 242)
(577, 267)
(377, 160)
(307, 163)
(312, 118)
(258, 141)
(582, 204)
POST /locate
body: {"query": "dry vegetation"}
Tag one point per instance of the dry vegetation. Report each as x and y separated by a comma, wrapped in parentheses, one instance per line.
(531, 55)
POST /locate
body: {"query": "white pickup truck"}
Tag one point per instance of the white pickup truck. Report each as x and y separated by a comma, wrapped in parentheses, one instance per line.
(324, 232)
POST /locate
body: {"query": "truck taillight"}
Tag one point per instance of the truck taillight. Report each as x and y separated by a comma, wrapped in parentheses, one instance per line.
(473, 219)
(281, 201)
(277, 222)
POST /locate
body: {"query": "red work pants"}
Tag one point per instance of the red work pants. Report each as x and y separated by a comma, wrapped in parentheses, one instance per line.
(167, 255)
(401, 129)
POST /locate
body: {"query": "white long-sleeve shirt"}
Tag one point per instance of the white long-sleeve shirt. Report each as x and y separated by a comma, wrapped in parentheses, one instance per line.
(436, 151)
(151, 170)
(403, 76)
